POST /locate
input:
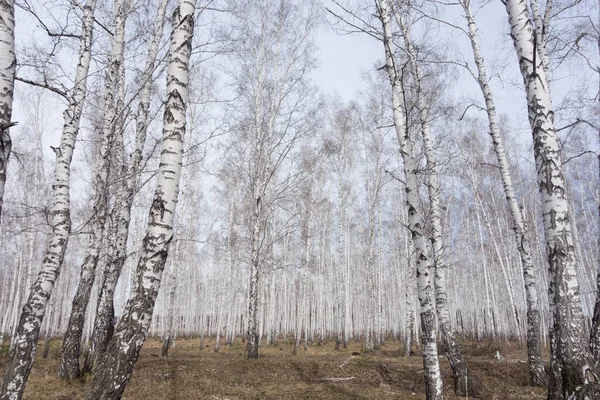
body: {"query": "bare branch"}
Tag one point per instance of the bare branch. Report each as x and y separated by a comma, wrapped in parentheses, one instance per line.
(44, 85)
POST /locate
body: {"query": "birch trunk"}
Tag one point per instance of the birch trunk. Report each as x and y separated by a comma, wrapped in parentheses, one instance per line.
(8, 64)
(28, 328)
(537, 374)
(462, 381)
(433, 378)
(571, 345)
(253, 333)
(112, 373)
(104, 320)
(71, 347)
(175, 262)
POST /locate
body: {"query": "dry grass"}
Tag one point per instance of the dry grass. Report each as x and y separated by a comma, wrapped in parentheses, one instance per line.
(189, 373)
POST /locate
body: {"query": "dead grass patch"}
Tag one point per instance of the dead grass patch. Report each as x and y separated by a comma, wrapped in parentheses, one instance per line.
(320, 372)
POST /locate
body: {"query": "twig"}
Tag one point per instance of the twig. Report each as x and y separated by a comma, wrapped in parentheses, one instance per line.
(345, 362)
(386, 368)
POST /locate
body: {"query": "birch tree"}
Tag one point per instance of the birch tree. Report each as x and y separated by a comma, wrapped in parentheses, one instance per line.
(26, 336)
(433, 377)
(103, 323)
(537, 374)
(8, 65)
(271, 68)
(573, 374)
(462, 381)
(112, 373)
(69, 360)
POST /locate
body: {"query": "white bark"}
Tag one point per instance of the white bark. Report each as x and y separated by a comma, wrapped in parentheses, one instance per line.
(113, 372)
(103, 324)
(433, 376)
(69, 361)
(462, 383)
(8, 64)
(25, 338)
(536, 368)
(570, 347)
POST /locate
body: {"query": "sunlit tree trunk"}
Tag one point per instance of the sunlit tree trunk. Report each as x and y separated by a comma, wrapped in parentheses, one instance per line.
(537, 374)
(111, 374)
(433, 378)
(571, 345)
(460, 372)
(28, 328)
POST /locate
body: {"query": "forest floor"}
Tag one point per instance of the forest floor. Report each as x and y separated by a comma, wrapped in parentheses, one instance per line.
(189, 373)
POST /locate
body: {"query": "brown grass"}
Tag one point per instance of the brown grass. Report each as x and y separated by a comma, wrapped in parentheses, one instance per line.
(189, 373)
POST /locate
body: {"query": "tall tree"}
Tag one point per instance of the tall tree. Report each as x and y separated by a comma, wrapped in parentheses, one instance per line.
(537, 374)
(460, 372)
(111, 374)
(119, 228)
(8, 65)
(573, 374)
(26, 336)
(271, 75)
(71, 347)
(433, 378)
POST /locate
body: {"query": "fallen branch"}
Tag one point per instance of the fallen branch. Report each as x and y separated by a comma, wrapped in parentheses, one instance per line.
(334, 379)
(345, 362)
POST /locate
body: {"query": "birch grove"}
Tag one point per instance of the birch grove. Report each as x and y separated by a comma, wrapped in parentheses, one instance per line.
(243, 192)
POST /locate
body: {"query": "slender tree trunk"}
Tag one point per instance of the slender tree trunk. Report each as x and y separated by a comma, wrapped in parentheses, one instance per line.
(112, 373)
(49, 328)
(104, 320)
(8, 64)
(253, 333)
(410, 302)
(170, 309)
(578, 373)
(433, 378)
(28, 328)
(537, 374)
(71, 348)
(175, 261)
(462, 380)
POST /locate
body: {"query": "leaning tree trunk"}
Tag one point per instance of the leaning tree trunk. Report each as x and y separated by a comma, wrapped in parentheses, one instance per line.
(463, 385)
(537, 374)
(71, 347)
(104, 321)
(28, 328)
(8, 64)
(113, 371)
(578, 375)
(433, 378)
